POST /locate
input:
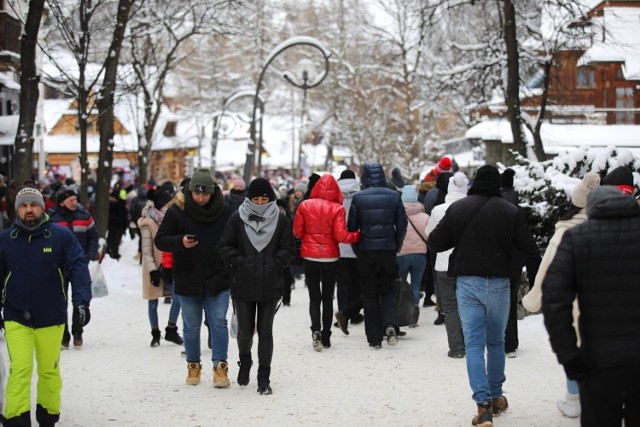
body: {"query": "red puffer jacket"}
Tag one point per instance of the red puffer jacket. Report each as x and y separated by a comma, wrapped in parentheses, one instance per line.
(320, 221)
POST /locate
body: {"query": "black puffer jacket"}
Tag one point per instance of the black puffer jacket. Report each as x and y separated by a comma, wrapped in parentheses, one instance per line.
(257, 276)
(200, 268)
(597, 261)
(378, 213)
(484, 248)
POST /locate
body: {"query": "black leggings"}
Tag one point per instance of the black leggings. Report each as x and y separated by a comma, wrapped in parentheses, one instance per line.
(316, 273)
(246, 314)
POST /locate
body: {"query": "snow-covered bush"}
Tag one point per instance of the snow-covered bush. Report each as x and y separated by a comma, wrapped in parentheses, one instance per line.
(545, 187)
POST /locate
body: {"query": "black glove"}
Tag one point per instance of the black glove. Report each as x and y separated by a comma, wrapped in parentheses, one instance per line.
(81, 314)
(577, 368)
(155, 278)
(166, 274)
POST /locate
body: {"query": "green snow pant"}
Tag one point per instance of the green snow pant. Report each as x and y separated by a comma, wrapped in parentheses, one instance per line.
(21, 343)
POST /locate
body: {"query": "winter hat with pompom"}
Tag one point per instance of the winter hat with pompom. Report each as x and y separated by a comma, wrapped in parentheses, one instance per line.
(444, 165)
(581, 191)
(458, 183)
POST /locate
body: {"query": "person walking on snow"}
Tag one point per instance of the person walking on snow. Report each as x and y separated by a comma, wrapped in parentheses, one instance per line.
(484, 228)
(35, 256)
(576, 214)
(412, 258)
(191, 229)
(597, 263)
(320, 223)
(378, 213)
(72, 215)
(153, 282)
(257, 241)
(458, 187)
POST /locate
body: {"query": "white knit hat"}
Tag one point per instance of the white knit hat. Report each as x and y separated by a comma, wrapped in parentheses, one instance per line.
(581, 191)
(458, 183)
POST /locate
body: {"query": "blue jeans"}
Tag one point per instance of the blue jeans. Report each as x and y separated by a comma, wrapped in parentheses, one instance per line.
(216, 309)
(415, 265)
(483, 305)
(174, 311)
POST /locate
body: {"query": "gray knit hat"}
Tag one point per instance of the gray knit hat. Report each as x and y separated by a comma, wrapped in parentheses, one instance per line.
(202, 181)
(29, 194)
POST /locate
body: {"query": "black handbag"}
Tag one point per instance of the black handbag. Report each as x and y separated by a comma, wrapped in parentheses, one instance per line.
(408, 311)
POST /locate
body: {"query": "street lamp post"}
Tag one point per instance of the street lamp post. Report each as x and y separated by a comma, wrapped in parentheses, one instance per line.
(304, 85)
(220, 116)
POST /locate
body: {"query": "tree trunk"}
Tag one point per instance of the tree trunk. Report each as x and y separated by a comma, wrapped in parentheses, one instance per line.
(29, 93)
(105, 119)
(538, 147)
(513, 78)
(83, 103)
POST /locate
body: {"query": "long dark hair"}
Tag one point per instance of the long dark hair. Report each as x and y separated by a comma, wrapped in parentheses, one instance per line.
(570, 213)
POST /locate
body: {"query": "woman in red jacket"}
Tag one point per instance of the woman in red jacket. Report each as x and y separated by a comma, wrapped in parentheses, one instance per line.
(320, 223)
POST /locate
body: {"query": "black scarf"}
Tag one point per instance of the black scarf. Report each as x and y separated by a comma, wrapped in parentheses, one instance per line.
(207, 213)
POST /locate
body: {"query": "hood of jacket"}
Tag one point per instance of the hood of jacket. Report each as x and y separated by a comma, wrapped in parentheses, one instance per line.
(327, 189)
(349, 187)
(373, 176)
(609, 202)
(412, 208)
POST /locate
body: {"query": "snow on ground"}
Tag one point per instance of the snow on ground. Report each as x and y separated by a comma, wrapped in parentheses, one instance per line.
(117, 379)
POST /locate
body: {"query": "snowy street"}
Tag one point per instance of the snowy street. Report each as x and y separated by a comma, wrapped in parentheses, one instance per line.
(117, 379)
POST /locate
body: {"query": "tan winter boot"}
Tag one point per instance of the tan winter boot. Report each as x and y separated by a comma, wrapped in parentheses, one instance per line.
(221, 375)
(193, 373)
(484, 417)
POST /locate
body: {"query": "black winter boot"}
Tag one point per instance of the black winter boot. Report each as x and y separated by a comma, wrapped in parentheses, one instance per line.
(22, 420)
(263, 380)
(171, 334)
(155, 340)
(326, 339)
(44, 418)
(245, 364)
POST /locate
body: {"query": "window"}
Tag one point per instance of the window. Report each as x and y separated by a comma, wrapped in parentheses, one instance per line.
(170, 129)
(605, 102)
(586, 77)
(624, 101)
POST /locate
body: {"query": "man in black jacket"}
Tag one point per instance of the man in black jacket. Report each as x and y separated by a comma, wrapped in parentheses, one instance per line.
(597, 262)
(378, 213)
(190, 230)
(484, 229)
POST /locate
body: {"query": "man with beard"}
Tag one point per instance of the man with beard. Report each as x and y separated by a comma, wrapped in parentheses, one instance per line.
(35, 255)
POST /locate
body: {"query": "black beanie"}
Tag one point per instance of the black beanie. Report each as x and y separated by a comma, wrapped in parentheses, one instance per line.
(261, 187)
(506, 178)
(621, 175)
(348, 174)
(64, 193)
(161, 198)
(486, 182)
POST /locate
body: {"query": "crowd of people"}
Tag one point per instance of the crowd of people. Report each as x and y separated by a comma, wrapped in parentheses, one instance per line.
(215, 242)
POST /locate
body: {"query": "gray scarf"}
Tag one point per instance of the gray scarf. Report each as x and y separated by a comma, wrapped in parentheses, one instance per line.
(260, 222)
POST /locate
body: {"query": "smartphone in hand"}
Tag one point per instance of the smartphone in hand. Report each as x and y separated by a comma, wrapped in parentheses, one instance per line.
(192, 237)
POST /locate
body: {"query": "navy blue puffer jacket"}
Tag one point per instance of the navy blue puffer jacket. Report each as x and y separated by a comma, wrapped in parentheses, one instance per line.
(378, 213)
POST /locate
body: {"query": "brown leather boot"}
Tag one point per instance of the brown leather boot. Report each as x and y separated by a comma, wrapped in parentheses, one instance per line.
(499, 405)
(484, 417)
